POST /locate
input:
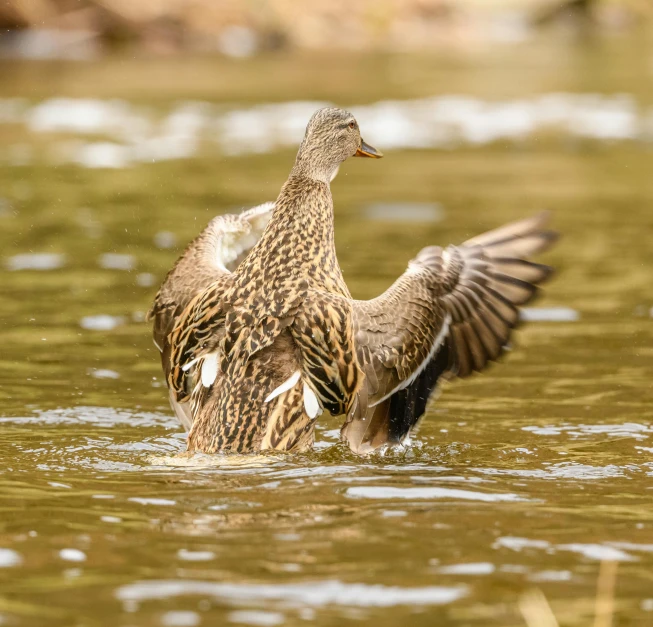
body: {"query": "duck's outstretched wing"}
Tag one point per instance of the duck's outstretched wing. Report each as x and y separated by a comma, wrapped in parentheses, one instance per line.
(208, 259)
(449, 314)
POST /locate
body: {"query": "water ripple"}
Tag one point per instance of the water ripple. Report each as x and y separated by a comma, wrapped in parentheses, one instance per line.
(385, 492)
(138, 135)
(99, 416)
(311, 594)
(635, 430)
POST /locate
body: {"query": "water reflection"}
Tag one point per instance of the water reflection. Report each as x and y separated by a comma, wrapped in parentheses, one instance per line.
(383, 492)
(314, 594)
(9, 558)
(36, 261)
(549, 314)
(101, 322)
(600, 552)
(141, 134)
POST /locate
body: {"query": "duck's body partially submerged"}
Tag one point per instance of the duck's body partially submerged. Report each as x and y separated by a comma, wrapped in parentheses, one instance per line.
(259, 334)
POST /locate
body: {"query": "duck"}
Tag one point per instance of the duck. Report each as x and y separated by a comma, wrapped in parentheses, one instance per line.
(259, 335)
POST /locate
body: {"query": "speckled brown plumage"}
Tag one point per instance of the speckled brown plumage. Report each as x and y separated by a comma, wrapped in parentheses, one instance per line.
(450, 314)
(205, 262)
(252, 356)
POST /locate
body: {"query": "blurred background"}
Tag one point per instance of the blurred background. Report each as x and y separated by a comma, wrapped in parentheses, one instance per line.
(74, 29)
(126, 126)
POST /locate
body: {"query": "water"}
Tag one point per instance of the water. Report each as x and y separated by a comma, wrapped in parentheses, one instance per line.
(526, 476)
(138, 134)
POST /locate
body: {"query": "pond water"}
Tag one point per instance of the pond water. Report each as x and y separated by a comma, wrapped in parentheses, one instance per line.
(527, 476)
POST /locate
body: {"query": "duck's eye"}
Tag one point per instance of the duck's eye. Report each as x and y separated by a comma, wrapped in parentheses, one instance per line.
(352, 125)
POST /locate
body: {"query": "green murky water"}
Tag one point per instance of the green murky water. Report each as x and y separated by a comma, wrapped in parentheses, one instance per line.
(526, 476)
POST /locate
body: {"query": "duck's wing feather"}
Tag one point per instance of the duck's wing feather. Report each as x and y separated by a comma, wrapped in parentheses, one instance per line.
(450, 314)
(209, 258)
(323, 333)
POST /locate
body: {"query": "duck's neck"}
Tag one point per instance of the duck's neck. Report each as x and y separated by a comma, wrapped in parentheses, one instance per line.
(299, 239)
(313, 163)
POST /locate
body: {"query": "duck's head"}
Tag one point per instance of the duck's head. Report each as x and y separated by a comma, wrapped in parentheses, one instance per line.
(332, 135)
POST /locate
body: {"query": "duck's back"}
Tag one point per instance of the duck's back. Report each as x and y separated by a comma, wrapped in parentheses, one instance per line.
(295, 256)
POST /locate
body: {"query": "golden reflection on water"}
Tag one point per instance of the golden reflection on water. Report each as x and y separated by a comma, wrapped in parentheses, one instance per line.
(200, 460)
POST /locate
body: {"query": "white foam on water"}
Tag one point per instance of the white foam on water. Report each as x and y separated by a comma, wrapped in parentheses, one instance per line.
(632, 546)
(393, 513)
(518, 544)
(195, 556)
(386, 492)
(101, 322)
(9, 558)
(151, 501)
(104, 373)
(138, 134)
(72, 555)
(551, 575)
(117, 261)
(311, 594)
(634, 430)
(549, 314)
(600, 552)
(475, 568)
(80, 116)
(35, 261)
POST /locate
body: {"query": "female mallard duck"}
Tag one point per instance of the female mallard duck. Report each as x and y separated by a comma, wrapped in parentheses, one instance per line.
(259, 334)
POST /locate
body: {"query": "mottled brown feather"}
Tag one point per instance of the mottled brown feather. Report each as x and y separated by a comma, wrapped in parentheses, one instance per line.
(463, 323)
(231, 336)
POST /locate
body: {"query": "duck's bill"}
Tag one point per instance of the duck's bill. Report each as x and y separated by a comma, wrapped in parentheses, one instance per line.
(366, 150)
